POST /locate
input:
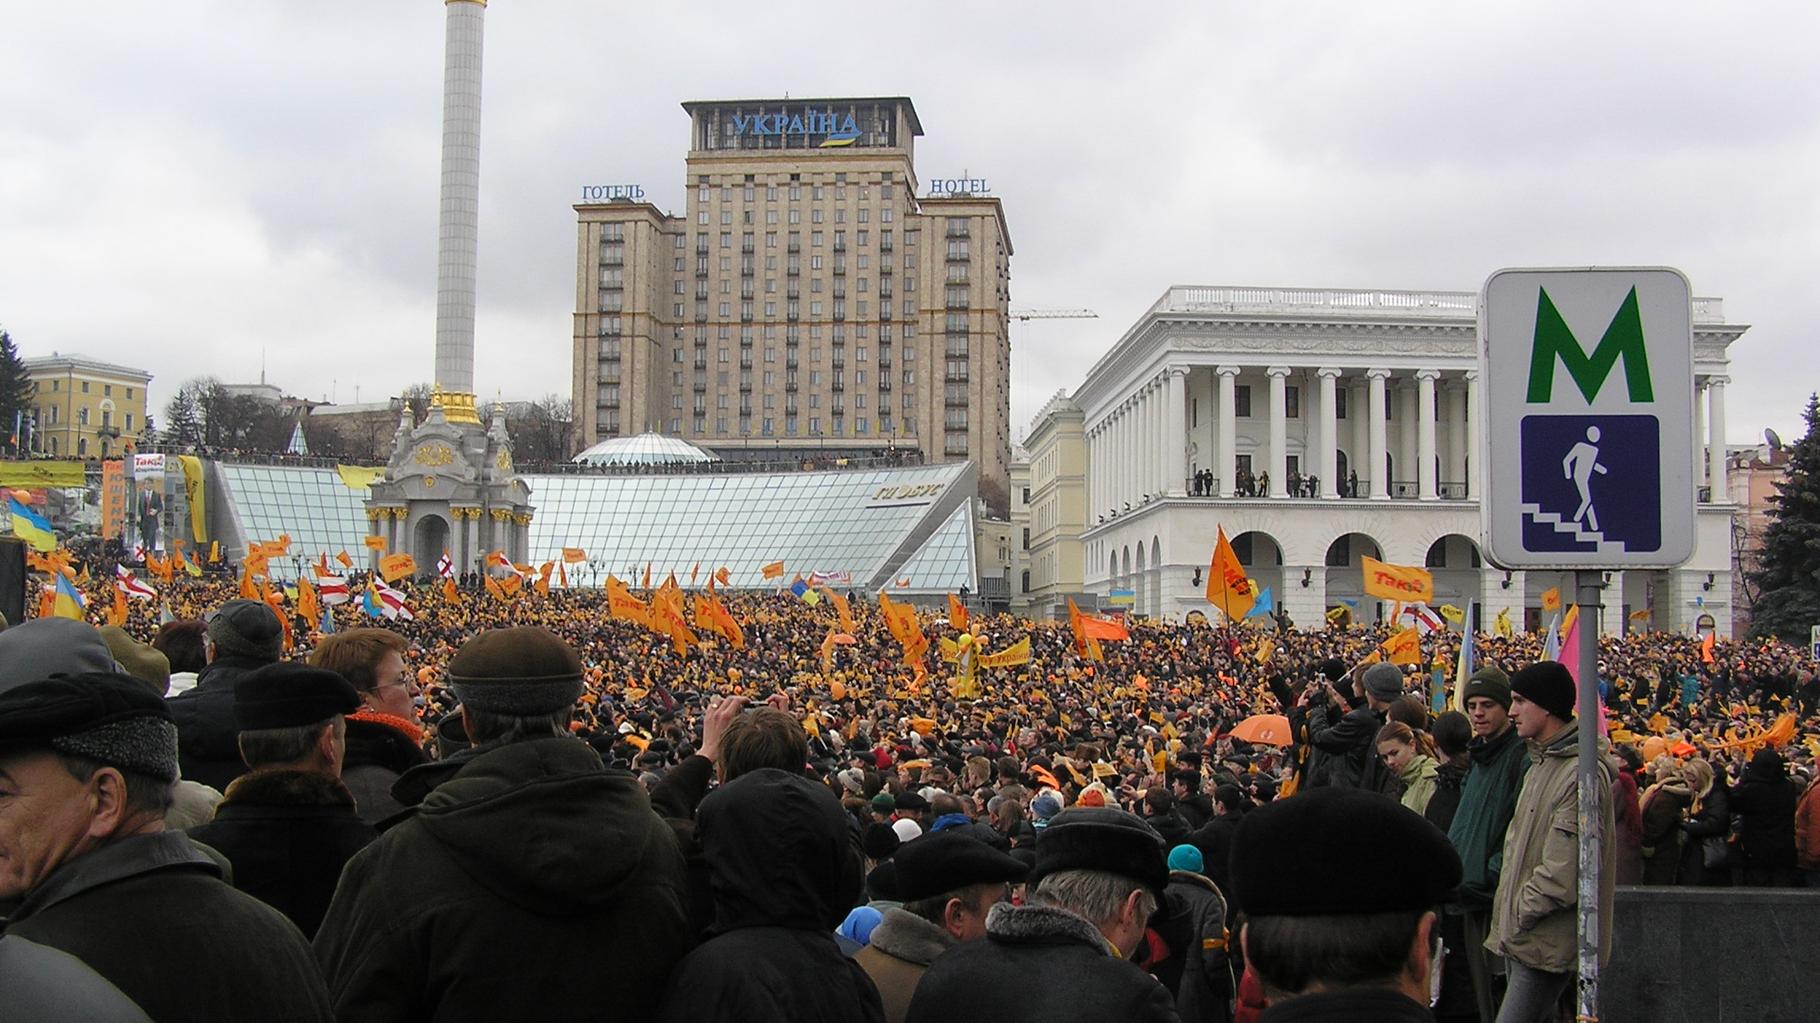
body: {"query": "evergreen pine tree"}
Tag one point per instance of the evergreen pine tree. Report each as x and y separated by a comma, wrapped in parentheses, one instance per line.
(183, 418)
(15, 392)
(1789, 576)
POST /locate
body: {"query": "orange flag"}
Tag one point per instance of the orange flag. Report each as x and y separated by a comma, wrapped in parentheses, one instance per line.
(723, 575)
(1404, 647)
(840, 608)
(496, 591)
(511, 584)
(346, 562)
(574, 555)
(693, 572)
(393, 567)
(775, 570)
(1706, 647)
(562, 575)
(543, 578)
(623, 605)
(647, 585)
(957, 613)
(1227, 587)
(450, 594)
(306, 601)
(375, 543)
(247, 590)
(117, 616)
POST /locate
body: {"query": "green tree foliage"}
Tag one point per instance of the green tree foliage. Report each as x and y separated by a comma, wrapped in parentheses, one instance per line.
(1789, 576)
(15, 393)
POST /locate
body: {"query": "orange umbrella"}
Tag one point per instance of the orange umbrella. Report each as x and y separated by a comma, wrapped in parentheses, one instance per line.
(1269, 729)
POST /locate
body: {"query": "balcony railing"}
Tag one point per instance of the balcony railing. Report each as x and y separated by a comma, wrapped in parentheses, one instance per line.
(1450, 304)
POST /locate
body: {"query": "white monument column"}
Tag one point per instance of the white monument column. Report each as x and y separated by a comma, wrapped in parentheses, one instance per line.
(1128, 452)
(1279, 430)
(1175, 443)
(1425, 433)
(1700, 455)
(1328, 467)
(1229, 448)
(459, 235)
(1475, 422)
(1715, 443)
(1374, 415)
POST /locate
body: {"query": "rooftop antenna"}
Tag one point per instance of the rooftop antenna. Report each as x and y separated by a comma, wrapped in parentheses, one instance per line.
(262, 367)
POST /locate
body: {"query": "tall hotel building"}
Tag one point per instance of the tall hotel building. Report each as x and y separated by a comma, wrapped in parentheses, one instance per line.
(808, 304)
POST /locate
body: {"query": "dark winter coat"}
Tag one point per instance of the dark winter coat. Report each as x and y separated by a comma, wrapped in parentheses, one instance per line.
(1713, 820)
(377, 754)
(208, 736)
(143, 927)
(1192, 922)
(1450, 778)
(1765, 804)
(675, 799)
(1488, 798)
(532, 877)
(1351, 741)
(1660, 810)
(1215, 843)
(287, 835)
(785, 872)
(1361, 1005)
(1171, 826)
(1038, 964)
(898, 954)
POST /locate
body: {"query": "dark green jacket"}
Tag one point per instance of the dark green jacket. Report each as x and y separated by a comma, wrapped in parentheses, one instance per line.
(533, 880)
(1488, 797)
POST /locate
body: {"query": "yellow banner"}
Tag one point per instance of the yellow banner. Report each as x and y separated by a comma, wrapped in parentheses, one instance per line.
(374, 543)
(193, 491)
(1404, 648)
(1551, 600)
(359, 477)
(1397, 582)
(1016, 653)
(393, 567)
(63, 475)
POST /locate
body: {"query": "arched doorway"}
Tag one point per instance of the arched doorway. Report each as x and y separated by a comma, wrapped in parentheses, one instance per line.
(1262, 557)
(1346, 579)
(1458, 571)
(428, 542)
(1344, 467)
(1141, 583)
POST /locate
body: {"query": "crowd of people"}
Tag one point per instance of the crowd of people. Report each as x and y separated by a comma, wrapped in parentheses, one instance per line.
(508, 808)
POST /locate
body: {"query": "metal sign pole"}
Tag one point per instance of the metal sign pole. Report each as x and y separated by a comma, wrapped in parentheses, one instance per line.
(1589, 586)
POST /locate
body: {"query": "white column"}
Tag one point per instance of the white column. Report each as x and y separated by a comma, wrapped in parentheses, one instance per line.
(1700, 454)
(1405, 396)
(1374, 414)
(1153, 436)
(1715, 444)
(1228, 467)
(1175, 442)
(1357, 403)
(1475, 422)
(1425, 433)
(1328, 467)
(1128, 452)
(1279, 430)
(1456, 433)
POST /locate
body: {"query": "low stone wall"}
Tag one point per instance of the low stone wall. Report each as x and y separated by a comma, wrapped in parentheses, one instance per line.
(1710, 955)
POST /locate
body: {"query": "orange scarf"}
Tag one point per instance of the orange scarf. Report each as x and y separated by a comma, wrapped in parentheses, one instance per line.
(408, 729)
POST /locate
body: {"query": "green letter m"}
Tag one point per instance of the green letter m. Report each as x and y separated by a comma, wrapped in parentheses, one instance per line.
(1623, 338)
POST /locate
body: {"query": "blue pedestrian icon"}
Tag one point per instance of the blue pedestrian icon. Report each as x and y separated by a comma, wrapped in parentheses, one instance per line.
(1591, 484)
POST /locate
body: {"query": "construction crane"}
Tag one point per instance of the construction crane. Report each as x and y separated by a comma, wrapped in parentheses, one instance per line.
(1054, 314)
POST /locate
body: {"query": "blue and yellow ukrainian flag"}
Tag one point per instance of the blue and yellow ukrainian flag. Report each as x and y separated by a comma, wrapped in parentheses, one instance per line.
(69, 602)
(31, 527)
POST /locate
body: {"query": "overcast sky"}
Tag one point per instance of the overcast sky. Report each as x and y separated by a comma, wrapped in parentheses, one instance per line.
(195, 187)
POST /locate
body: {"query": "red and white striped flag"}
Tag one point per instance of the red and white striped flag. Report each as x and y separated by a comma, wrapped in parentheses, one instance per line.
(391, 602)
(332, 589)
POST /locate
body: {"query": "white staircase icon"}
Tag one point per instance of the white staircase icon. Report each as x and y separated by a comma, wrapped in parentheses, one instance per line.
(1560, 525)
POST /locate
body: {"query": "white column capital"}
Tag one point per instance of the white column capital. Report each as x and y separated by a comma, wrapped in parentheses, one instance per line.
(1329, 372)
(1377, 374)
(1428, 374)
(1277, 371)
(1718, 381)
(1174, 372)
(1470, 376)
(1227, 371)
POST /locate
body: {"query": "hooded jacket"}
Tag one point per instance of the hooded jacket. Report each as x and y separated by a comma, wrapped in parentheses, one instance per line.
(1038, 964)
(1487, 799)
(378, 753)
(1533, 914)
(533, 876)
(785, 871)
(208, 736)
(1418, 777)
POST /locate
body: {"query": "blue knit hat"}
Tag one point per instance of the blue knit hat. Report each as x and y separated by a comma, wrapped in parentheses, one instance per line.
(1186, 857)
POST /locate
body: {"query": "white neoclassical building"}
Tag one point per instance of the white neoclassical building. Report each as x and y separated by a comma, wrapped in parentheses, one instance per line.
(1318, 426)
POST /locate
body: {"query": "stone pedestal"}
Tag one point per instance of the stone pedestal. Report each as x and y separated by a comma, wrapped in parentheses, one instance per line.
(451, 487)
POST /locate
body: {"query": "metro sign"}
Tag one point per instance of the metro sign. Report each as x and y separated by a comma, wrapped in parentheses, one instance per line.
(1587, 451)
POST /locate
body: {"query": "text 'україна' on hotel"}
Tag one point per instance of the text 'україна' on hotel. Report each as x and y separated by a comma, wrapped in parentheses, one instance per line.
(808, 303)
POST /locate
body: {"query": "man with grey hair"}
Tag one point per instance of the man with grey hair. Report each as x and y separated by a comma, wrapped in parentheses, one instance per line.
(115, 912)
(1099, 873)
(289, 825)
(531, 877)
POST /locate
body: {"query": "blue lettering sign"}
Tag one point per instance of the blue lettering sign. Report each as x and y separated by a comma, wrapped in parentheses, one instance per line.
(836, 129)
